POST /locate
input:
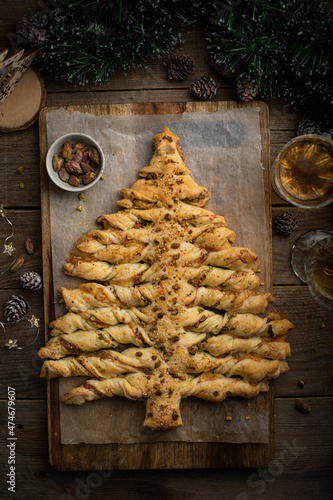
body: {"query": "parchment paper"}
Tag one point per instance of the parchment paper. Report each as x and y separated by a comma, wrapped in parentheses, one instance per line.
(223, 151)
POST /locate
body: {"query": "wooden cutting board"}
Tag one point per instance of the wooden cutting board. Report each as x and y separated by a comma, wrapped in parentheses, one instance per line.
(159, 455)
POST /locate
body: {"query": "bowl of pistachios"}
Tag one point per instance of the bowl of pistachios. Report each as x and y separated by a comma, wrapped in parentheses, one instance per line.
(75, 162)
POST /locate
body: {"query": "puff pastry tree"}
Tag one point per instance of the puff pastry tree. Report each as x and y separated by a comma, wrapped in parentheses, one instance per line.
(173, 307)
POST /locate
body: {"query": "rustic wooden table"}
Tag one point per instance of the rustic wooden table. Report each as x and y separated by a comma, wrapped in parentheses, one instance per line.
(302, 462)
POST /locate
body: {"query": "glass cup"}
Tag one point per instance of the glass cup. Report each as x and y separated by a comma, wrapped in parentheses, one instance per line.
(311, 260)
(303, 171)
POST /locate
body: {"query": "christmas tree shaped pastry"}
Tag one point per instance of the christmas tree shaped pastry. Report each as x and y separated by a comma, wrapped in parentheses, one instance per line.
(171, 308)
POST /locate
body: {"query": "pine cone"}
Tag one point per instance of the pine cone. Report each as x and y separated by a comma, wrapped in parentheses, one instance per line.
(221, 69)
(31, 281)
(204, 88)
(328, 134)
(285, 223)
(308, 127)
(247, 90)
(180, 67)
(32, 33)
(15, 309)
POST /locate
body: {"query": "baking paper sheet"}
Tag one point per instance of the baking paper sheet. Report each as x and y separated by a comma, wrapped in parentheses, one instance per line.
(223, 151)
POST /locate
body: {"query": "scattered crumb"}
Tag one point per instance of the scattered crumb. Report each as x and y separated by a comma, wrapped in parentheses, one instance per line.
(228, 418)
(79, 208)
(20, 170)
(247, 417)
(22, 156)
(22, 185)
(301, 384)
(323, 325)
(102, 177)
(304, 303)
(81, 197)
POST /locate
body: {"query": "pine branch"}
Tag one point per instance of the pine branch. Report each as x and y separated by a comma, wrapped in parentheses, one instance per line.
(89, 40)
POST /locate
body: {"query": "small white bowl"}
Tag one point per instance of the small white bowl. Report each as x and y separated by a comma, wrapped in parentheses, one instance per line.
(57, 146)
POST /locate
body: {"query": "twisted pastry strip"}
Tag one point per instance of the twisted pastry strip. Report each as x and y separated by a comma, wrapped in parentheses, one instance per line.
(102, 364)
(215, 387)
(224, 344)
(183, 214)
(115, 254)
(120, 220)
(214, 237)
(92, 319)
(243, 301)
(123, 274)
(115, 236)
(244, 325)
(93, 340)
(237, 258)
(133, 386)
(247, 366)
(190, 339)
(89, 295)
(201, 320)
(252, 369)
(222, 278)
(248, 325)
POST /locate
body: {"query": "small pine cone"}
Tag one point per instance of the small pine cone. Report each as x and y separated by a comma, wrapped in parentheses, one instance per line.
(31, 281)
(15, 309)
(285, 223)
(306, 127)
(180, 67)
(221, 69)
(247, 90)
(204, 88)
(31, 32)
(328, 134)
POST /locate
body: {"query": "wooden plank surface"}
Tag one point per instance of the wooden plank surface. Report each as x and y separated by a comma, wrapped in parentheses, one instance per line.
(147, 455)
(301, 467)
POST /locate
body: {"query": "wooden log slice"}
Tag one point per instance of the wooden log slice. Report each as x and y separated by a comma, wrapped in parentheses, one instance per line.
(21, 108)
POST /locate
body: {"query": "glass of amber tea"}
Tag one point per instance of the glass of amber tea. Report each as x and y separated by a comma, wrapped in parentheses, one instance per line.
(312, 261)
(303, 171)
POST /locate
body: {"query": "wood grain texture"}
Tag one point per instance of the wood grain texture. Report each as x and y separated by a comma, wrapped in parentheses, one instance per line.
(311, 344)
(20, 149)
(150, 455)
(26, 225)
(21, 368)
(281, 117)
(302, 465)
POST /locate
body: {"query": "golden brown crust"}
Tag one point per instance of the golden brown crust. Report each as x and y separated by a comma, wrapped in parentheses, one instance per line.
(143, 326)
